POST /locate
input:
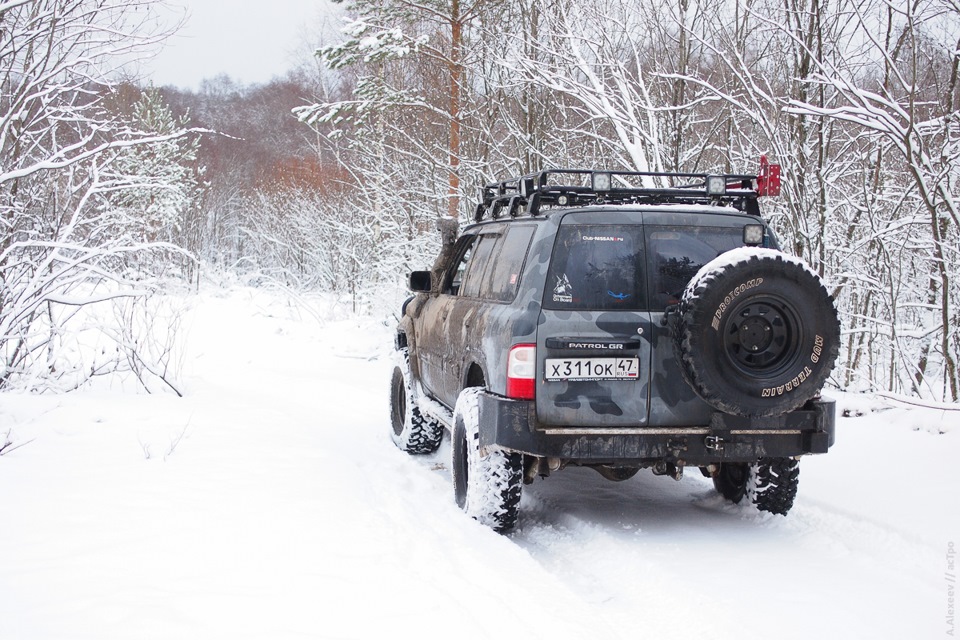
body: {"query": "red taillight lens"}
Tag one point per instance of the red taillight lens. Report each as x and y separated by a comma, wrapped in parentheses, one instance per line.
(522, 372)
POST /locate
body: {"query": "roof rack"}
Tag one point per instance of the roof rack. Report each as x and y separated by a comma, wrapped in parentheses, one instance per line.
(526, 195)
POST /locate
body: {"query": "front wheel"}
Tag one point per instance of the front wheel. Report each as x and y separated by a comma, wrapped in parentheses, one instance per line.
(410, 430)
(487, 484)
(731, 481)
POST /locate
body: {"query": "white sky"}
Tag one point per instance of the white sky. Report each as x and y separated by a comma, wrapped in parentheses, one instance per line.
(250, 40)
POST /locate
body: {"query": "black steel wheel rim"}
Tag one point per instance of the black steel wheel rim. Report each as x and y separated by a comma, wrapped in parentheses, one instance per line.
(762, 336)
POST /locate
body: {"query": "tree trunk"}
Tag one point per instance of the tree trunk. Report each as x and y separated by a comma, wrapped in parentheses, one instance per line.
(456, 75)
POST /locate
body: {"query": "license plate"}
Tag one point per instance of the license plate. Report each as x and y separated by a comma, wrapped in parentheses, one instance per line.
(593, 368)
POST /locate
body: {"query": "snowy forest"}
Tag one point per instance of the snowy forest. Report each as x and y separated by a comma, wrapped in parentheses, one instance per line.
(334, 177)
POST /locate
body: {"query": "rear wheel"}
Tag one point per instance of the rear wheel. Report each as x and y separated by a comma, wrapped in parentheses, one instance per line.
(731, 481)
(487, 484)
(410, 430)
(771, 483)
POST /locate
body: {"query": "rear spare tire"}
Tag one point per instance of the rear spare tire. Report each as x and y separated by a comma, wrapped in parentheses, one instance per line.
(756, 333)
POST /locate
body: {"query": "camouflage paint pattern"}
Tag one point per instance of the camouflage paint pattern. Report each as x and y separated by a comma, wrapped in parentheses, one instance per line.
(457, 341)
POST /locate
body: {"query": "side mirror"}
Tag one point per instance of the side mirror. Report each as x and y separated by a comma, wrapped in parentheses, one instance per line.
(420, 281)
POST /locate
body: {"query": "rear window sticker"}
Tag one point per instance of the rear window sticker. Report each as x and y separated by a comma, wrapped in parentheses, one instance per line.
(602, 238)
(563, 292)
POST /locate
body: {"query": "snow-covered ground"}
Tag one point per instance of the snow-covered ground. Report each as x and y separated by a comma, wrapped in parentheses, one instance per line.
(270, 503)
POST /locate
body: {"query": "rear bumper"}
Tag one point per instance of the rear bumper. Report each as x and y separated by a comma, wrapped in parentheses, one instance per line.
(512, 424)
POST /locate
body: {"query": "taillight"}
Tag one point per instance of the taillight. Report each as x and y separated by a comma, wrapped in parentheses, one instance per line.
(522, 372)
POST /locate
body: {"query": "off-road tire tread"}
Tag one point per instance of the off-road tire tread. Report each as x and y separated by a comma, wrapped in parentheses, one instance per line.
(421, 434)
(494, 482)
(690, 314)
(773, 484)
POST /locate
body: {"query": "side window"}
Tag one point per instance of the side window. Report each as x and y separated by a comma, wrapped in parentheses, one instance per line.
(479, 264)
(454, 277)
(503, 279)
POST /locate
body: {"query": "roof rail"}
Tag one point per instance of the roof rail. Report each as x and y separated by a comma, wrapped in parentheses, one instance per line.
(526, 195)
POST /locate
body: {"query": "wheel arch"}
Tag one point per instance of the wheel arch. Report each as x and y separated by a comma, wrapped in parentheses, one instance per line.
(474, 376)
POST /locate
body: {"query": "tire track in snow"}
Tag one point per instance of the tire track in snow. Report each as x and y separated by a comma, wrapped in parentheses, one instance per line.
(676, 555)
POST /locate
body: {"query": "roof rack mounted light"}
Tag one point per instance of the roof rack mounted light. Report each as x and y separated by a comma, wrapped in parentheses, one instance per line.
(600, 181)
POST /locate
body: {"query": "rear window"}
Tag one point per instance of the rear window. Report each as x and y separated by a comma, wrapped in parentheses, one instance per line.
(596, 267)
(678, 253)
(603, 267)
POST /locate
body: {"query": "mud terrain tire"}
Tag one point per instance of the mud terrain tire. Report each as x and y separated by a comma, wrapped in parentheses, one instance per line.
(773, 484)
(487, 487)
(756, 333)
(410, 430)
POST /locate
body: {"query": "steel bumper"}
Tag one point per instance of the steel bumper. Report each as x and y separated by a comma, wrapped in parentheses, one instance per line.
(513, 425)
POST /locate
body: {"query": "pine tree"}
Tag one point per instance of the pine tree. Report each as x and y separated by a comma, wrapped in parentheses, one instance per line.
(158, 183)
(434, 34)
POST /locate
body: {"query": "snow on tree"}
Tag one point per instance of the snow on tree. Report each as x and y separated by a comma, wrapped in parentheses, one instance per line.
(422, 101)
(161, 181)
(395, 127)
(902, 99)
(437, 35)
(62, 156)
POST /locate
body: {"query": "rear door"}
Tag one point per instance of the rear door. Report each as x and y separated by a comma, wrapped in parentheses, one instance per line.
(434, 356)
(461, 330)
(593, 341)
(675, 253)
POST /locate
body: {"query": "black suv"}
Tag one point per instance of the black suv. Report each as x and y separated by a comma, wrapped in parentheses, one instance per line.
(588, 318)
